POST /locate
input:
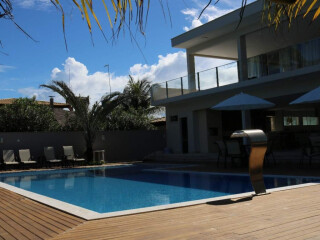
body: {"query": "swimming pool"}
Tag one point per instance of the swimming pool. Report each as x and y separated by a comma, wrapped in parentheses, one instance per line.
(112, 189)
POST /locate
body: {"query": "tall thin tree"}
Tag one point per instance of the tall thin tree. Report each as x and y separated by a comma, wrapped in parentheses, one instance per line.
(90, 118)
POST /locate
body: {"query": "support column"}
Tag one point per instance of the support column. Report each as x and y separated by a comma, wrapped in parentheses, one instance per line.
(191, 132)
(191, 72)
(242, 59)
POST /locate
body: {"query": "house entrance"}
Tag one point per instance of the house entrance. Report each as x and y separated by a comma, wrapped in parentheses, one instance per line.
(184, 134)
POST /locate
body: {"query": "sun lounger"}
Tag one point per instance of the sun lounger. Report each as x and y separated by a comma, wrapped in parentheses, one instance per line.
(25, 157)
(50, 156)
(9, 158)
(70, 156)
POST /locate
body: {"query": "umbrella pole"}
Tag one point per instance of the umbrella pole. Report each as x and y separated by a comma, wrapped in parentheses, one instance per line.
(246, 123)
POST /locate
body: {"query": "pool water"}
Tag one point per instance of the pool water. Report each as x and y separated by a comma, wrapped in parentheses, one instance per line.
(110, 189)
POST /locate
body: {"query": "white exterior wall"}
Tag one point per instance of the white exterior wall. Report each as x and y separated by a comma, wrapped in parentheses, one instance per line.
(200, 119)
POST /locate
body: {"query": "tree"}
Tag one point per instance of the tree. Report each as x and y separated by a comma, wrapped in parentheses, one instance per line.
(89, 118)
(121, 13)
(137, 96)
(277, 9)
(129, 119)
(135, 111)
(26, 115)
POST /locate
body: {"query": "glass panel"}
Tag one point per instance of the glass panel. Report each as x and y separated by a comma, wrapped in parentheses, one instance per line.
(159, 91)
(290, 121)
(273, 62)
(254, 67)
(208, 79)
(310, 121)
(310, 53)
(174, 88)
(190, 84)
(228, 74)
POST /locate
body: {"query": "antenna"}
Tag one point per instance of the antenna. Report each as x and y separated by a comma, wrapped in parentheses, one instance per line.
(107, 65)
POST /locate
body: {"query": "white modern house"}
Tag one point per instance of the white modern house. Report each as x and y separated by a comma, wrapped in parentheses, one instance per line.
(276, 65)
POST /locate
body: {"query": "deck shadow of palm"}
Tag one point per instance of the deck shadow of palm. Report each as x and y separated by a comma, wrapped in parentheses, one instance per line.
(230, 201)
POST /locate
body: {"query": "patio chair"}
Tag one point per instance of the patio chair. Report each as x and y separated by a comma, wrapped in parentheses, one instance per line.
(70, 156)
(234, 151)
(9, 159)
(50, 157)
(222, 152)
(311, 151)
(269, 153)
(25, 158)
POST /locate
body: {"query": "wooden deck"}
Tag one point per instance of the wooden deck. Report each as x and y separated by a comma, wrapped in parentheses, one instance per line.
(22, 218)
(291, 214)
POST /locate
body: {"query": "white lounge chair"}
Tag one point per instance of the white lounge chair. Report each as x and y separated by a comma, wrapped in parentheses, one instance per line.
(25, 157)
(50, 156)
(9, 158)
(70, 156)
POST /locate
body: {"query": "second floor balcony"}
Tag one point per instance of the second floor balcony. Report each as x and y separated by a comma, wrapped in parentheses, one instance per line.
(210, 78)
(287, 59)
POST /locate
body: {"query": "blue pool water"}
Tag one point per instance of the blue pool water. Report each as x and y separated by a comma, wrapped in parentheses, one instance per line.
(109, 189)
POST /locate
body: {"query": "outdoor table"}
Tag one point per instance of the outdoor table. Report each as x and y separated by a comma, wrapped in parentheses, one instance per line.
(98, 155)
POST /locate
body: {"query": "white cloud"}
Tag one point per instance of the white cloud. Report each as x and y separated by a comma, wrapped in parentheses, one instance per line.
(4, 68)
(34, 4)
(95, 85)
(212, 12)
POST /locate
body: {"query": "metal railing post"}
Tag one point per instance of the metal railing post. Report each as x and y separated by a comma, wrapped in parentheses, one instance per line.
(167, 89)
(198, 76)
(181, 80)
(217, 76)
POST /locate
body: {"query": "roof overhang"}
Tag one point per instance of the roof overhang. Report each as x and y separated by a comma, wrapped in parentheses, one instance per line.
(219, 38)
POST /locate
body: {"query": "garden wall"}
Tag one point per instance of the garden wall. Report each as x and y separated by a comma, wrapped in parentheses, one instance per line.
(118, 145)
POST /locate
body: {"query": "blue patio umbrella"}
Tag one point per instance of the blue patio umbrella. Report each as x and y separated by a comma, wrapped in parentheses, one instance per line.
(243, 101)
(310, 97)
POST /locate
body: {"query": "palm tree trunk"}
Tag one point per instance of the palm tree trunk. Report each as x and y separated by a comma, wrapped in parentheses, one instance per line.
(89, 144)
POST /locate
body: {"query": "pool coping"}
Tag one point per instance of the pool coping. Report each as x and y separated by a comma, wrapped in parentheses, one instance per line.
(92, 215)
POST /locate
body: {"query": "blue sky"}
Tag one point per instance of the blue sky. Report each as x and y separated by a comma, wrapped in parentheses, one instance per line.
(29, 64)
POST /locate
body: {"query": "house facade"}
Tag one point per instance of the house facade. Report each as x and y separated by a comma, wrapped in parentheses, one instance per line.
(278, 65)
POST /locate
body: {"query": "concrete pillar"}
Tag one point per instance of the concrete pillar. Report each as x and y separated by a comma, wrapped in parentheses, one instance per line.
(242, 58)
(279, 121)
(191, 72)
(191, 132)
(201, 131)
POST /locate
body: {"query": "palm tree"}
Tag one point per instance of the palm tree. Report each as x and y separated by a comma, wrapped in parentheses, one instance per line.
(90, 118)
(137, 96)
(125, 10)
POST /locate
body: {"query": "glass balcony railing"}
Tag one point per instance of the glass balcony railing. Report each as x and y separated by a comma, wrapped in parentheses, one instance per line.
(211, 78)
(286, 59)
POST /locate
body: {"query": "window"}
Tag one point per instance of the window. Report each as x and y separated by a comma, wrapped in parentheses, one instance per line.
(290, 121)
(310, 121)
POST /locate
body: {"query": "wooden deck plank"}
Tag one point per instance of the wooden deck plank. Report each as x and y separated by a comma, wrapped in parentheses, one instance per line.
(22, 218)
(34, 217)
(292, 214)
(280, 215)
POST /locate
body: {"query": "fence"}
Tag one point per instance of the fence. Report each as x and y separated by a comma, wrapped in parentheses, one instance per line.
(118, 145)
